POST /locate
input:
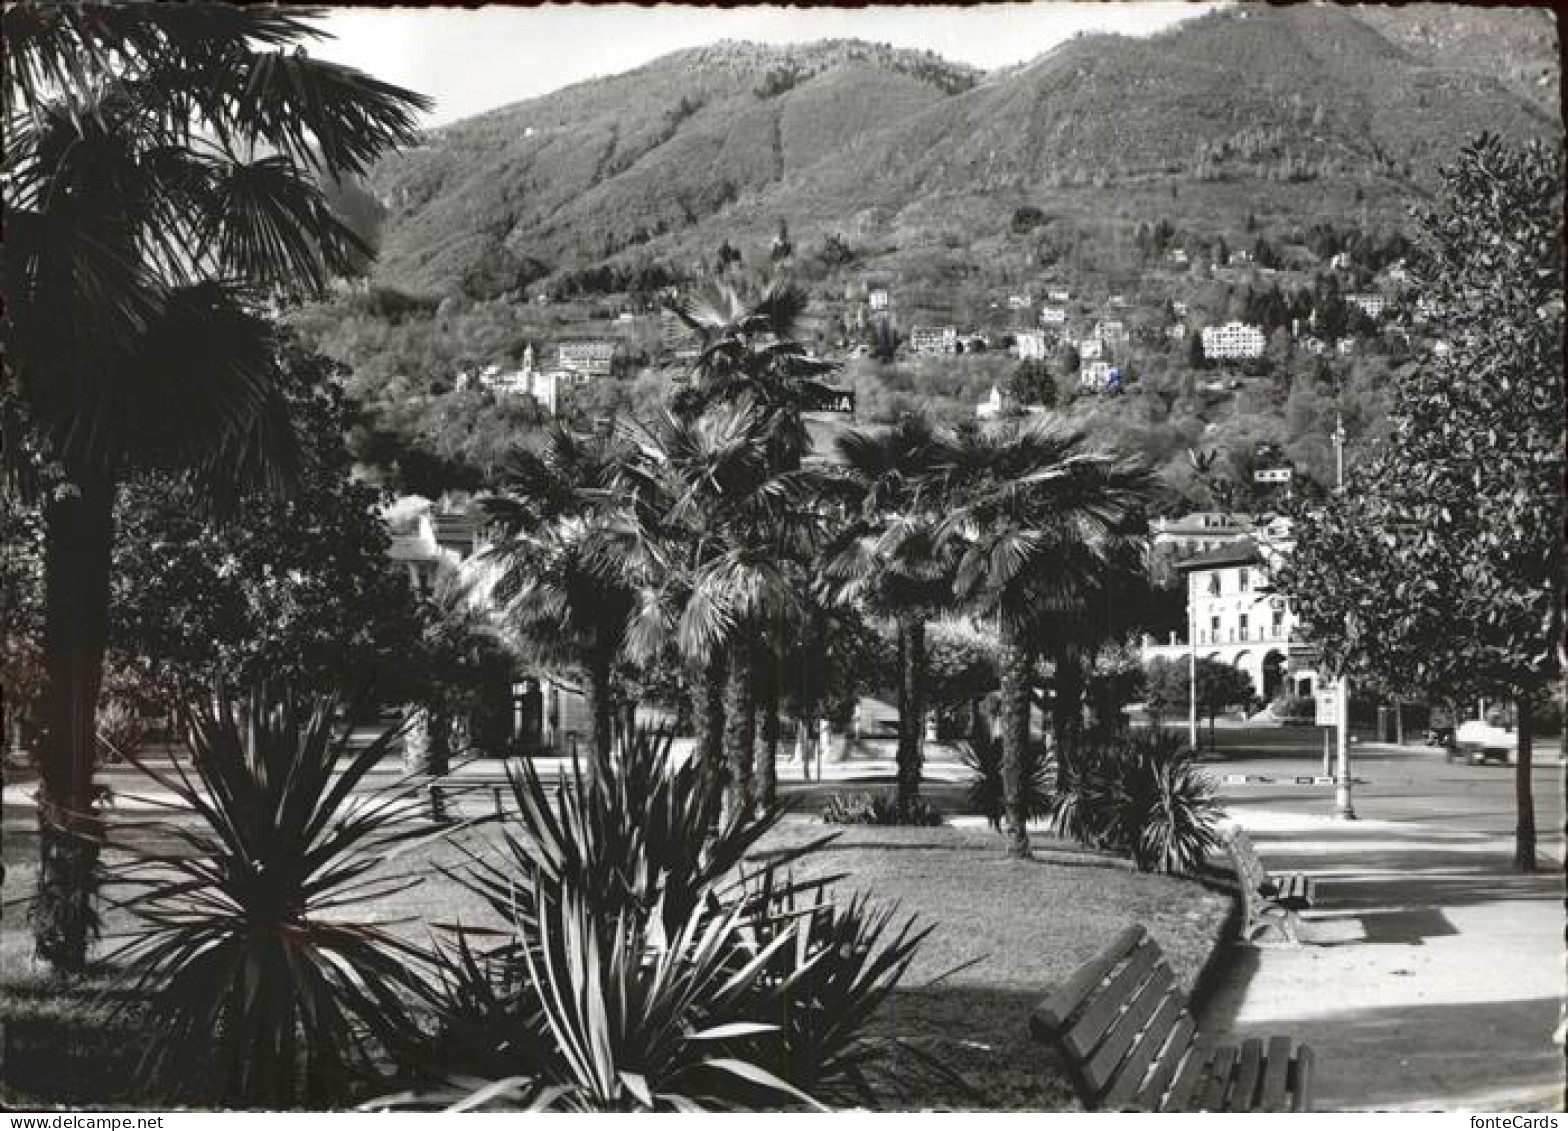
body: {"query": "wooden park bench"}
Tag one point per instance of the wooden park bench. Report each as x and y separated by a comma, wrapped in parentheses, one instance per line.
(443, 789)
(1269, 903)
(1122, 1029)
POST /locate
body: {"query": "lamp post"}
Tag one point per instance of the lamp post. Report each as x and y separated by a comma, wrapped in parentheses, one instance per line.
(1344, 806)
(1192, 660)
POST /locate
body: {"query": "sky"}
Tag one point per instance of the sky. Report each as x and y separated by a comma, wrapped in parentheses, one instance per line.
(471, 60)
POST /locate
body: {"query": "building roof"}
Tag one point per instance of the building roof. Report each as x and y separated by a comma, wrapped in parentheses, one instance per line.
(1244, 551)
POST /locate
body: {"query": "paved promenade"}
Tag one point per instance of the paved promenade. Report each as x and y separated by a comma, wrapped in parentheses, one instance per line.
(1431, 974)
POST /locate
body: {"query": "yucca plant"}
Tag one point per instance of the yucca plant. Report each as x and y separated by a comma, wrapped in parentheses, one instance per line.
(649, 958)
(262, 987)
(1141, 794)
(986, 794)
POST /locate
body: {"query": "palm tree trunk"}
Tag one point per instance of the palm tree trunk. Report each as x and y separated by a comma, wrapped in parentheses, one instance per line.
(1067, 704)
(768, 727)
(740, 729)
(709, 723)
(1524, 792)
(601, 710)
(911, 709)
(1013, 660)
(78, 543)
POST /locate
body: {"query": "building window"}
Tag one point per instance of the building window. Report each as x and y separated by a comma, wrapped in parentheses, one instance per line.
(1241, 626)
(1242, 578)
(1214, 585)
(1279, 622)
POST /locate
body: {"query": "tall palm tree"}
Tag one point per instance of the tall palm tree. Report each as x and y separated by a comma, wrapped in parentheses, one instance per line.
(742, 516)
(888, 557)
(162, 173)
(750, 350)
(1038, 521)
(565, 593)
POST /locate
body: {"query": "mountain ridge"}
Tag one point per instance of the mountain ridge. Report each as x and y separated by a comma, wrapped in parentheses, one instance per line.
(665, 160)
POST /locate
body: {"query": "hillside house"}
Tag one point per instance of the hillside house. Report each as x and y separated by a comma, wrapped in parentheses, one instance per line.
(1097, 376)
(1053, 316)
(933, 339)
(1371, 303)
(1089, 349)
(1019, 302)
(1111, 334)
(1059, 294)
(1345, 347)
(1117, 302)
(1029, 345)
(1233, 340)
(1178, 256)
(586, 358)
(877, 298)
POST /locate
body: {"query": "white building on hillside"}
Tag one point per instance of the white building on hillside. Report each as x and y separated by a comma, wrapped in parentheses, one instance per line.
(1233, 340)
(1030, 345)
(933, 340)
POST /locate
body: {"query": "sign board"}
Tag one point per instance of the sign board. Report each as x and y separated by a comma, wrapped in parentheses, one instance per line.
(1327, 701)
(835, 400)
(1272, 475)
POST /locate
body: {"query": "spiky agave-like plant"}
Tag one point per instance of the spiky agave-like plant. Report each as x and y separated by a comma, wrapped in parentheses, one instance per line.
(262, 987)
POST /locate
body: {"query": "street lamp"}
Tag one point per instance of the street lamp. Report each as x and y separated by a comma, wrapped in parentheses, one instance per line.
(1344, 806)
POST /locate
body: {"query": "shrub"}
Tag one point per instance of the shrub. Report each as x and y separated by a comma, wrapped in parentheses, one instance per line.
(647, 959)
(1140, 794)
(986, 794)
(261, 989)
(870, 809)
(1294, 709)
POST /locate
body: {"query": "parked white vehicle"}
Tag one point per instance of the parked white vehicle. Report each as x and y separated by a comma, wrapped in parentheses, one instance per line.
(1479, 741)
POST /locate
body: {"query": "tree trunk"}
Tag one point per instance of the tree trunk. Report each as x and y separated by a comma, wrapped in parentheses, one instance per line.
(78, 542)
(979, 730)
(709, 711)
(911, 710)
(601, 710)
(427, 750)
(1399, 722)
(740, 729)
(1067, 704)
(1524, 792)
(1013, 662)
(768, 726)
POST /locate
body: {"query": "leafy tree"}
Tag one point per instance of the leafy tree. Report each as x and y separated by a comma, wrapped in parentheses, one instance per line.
(1221, 687)
(161, 168)
(1026, 218)
(1439, 567)
(294, 591)
(1033, 384)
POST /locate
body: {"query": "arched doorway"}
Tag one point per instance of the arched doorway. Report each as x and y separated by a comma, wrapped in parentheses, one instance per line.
(1273, 675)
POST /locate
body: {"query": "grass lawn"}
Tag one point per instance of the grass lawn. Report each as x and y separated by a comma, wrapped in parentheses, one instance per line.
(1004, 931)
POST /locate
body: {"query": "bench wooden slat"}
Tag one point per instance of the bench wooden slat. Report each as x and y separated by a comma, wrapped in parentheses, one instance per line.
(1105, 1003)
(1159, 1081)
(1276, 1075)
(1193, 1071)
(1128, 1042)
(1301, 1083)
(1107, 1062)
(1216, 1082)
(1051, 1014)
(1135, 1070)
(1244, 1083)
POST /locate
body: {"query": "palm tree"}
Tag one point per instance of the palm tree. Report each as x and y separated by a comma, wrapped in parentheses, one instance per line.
(740, 517)
(459, 652)
(566, 594)
(749, 349)
(161, 177)
(1038, 521)
(888, 558)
